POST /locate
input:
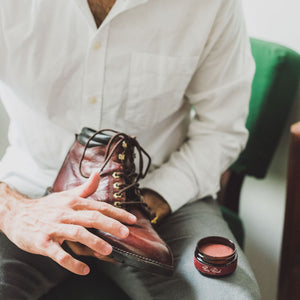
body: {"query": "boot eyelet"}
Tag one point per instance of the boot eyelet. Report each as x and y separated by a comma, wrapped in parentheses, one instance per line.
(121, 156)
(117, 195)
(116, 175)
(118, 204)
(124, 145)
(116, 185)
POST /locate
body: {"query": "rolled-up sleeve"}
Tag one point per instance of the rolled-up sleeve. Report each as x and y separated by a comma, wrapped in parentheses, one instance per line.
(219, 93)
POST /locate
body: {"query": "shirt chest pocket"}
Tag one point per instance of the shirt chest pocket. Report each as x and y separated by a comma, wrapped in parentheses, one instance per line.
(156, 87)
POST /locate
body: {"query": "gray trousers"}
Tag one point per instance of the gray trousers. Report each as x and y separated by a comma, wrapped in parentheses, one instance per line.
(28, 276)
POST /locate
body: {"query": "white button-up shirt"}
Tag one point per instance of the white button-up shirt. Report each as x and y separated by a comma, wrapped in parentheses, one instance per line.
(140, 73)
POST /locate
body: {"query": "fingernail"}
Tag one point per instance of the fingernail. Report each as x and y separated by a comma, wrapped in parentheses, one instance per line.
(124, 231)
(132, 218)
(107, 249)
(86, 270)
(94, 174)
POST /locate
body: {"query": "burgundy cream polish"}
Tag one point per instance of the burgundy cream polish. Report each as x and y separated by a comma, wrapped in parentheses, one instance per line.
(215, 256)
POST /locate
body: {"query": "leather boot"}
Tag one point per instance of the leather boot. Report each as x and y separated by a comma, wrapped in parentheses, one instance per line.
(113, 157)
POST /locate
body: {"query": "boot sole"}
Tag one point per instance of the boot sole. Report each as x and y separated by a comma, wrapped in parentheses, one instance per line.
(141, 262)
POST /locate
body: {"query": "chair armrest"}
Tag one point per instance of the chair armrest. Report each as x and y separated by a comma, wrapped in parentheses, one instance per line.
(289, 278)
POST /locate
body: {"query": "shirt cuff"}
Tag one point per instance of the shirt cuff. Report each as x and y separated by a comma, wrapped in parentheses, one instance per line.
(173, 185)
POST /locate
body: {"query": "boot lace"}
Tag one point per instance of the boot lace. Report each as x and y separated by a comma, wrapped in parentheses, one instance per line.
(120, 138)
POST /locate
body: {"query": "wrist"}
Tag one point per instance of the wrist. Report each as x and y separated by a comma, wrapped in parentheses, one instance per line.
(157, 205)
(152, 193)
(10, 202)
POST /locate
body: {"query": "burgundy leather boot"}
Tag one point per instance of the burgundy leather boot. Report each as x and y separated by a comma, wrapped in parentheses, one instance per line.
(113, 157)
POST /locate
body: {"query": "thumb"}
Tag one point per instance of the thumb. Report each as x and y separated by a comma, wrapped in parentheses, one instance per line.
(160, 214)
(89, 187)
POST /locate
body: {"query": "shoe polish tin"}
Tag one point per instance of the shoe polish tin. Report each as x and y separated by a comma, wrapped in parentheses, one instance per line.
(215, 256)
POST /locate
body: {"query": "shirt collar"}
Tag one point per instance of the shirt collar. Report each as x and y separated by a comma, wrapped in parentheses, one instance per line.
(119, 7)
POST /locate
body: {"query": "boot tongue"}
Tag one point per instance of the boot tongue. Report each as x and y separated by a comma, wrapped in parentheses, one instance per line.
(98, 140)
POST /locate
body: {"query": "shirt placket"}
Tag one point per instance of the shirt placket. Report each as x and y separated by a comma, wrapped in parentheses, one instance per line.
(93, 81)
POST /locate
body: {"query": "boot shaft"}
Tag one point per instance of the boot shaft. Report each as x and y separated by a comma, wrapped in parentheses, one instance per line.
(112, 156)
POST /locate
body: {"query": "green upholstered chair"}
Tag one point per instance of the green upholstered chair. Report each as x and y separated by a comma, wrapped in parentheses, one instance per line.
(274, 90)
(275, 87)
(273, 93)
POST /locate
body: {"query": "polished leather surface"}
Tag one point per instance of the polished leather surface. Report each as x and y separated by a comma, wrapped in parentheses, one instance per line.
(143, 241)
(70, 177)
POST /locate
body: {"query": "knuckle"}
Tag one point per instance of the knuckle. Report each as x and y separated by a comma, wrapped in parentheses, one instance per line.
(95, 243)
(72, 201)
(61, 216)
(104, 207)
(52, 231)
(62, 258)
(91, 218)
(42, 242)
(76, 231)
(94, 216)
(125, 213)
(114, 226)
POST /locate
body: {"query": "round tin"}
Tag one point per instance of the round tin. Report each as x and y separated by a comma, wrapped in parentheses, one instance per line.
(215, 265)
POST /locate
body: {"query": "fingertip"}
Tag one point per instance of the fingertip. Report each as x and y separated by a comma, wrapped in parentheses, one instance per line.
(106, 249)
(85, 270)
(90, 186)
(95, 176)
(132, 219)
(124, 231)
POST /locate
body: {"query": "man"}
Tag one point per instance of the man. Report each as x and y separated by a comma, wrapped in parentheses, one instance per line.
(136, 66)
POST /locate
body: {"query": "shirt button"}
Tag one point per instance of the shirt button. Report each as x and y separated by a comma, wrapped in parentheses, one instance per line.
(97, 45)
(93, 100)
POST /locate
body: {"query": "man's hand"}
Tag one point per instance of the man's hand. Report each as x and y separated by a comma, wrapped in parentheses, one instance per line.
(82, 250)
(40, 226)
(158, 206)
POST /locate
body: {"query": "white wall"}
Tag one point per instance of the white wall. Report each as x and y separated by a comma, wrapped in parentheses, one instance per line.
(263, 201)
(275, 20)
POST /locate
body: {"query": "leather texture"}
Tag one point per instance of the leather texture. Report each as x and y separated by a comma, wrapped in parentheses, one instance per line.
(143, 247)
